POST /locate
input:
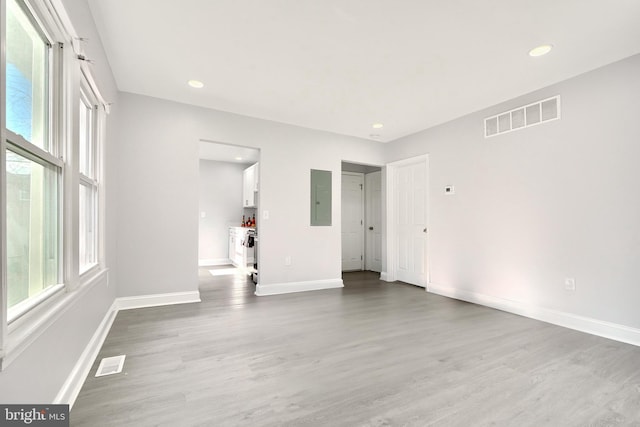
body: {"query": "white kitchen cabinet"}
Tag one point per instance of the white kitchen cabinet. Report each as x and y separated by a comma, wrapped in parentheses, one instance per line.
(256, 177)
(250, 180)
(232, 244)
(239, 254)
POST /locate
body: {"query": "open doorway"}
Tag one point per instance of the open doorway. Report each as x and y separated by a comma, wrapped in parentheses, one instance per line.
(228, 202)
(361, 218)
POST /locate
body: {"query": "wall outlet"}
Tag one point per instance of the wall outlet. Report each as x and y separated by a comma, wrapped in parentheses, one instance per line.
(570, 284)
(287, 260)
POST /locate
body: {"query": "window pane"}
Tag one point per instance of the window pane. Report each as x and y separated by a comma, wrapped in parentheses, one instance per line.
(27, 62)
(32, 228)
(88, 238)
(86, 138)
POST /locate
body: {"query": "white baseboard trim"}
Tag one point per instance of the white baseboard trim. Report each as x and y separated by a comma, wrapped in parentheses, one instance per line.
(213, 261)
(384, 276)
(156, 300)
(72, 386)
(289, 287)
(589, 325)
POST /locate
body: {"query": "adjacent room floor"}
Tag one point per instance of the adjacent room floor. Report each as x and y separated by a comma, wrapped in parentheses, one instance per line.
(371, 354)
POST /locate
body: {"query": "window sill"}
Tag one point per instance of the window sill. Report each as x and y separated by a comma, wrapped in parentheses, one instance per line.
(87, 274)
(24, 307)
(25, 330)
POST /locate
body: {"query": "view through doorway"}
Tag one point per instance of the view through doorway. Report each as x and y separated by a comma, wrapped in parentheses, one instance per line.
(361, 219)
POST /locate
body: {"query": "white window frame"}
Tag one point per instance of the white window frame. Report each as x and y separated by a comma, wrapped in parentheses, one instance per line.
(3, 184)
(68, 72)
(21, 146)
(92, 99)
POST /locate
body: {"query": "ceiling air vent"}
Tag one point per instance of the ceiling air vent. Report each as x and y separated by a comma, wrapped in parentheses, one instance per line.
(523, 117)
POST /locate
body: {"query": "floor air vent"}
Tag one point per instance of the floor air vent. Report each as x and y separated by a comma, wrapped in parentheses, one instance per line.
(110, 366)
(523, 117)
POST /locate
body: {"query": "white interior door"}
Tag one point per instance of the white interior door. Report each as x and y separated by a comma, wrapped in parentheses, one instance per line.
(411, 222)
(373, 221)
(352, 221)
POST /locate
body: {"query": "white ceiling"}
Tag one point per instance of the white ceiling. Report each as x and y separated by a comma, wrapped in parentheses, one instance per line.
(342, 65)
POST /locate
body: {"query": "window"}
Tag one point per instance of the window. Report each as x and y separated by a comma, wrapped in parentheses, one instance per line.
(50, 171)
(32, 227)
(27, 70)
(88, 203)
(33, 170)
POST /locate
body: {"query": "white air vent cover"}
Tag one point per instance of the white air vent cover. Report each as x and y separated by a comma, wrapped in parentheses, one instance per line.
(523, 117)
(110, 365)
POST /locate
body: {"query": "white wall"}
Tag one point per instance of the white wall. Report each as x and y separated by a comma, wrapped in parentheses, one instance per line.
(221, 203)
(39, 372)
(538, 205)
(157, 201)
(158, 194)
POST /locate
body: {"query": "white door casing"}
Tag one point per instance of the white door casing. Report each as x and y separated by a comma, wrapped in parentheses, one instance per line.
(407, 221)
(352, 221)
(373, 221)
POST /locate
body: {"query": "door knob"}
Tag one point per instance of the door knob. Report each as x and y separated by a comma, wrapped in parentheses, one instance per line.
(424, 231)
(370, 228)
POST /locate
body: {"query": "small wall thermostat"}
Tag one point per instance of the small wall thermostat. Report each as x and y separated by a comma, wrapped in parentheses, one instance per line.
(449, 189)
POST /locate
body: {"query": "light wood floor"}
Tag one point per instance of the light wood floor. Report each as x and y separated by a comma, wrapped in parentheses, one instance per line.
(371, 354)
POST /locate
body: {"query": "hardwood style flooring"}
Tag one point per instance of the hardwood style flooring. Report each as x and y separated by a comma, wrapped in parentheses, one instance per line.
(371, 354)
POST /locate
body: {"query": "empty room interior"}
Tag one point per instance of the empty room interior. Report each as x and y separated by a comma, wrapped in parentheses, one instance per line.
(331, 213)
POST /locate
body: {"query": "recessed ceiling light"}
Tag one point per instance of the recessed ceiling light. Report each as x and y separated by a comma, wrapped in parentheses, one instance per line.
(540, 50)
(196, 84)
(238, 158)
(378, 126)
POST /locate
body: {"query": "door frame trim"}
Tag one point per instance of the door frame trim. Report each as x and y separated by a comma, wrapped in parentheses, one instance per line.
(363, 211)
(369, 251)
(391, 211)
